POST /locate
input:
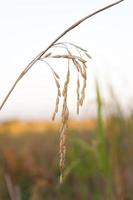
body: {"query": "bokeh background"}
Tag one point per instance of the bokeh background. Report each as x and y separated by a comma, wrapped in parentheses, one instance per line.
(99, 162)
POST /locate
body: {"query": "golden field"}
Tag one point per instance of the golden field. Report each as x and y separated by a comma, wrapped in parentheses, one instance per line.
(21, 127)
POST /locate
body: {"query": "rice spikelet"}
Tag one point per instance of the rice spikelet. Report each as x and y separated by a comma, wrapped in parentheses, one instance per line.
(57, 98)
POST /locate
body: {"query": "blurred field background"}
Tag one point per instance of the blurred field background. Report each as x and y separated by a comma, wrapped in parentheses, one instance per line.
(99, 161)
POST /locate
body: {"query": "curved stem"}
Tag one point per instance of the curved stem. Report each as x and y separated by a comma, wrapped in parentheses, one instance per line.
(30, 65)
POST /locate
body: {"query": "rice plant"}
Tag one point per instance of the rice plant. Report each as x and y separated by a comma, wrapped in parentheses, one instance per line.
(79, 61)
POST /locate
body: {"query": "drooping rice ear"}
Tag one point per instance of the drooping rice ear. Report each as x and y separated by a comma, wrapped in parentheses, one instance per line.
(64, 125)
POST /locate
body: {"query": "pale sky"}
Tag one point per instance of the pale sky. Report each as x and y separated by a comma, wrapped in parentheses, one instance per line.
(28, 26)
